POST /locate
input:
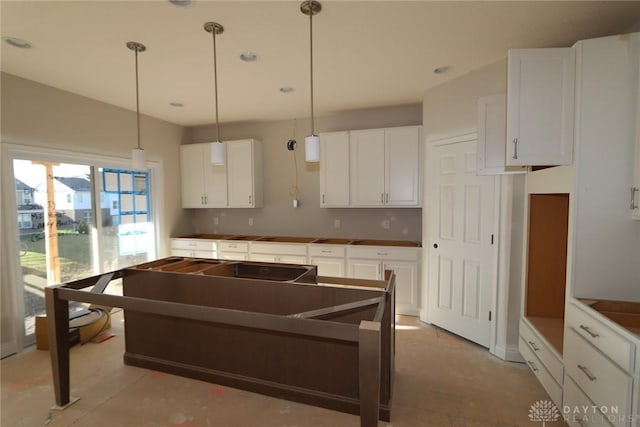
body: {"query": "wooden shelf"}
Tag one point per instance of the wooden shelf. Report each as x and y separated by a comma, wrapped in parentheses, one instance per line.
(551, 328)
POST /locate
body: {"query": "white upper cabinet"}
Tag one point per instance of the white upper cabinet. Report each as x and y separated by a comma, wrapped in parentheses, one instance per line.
(367, 167)
(244, 174)
(540, 105)
(402, 166)
(334, 169)
(492, 136)
(203, 184)
(385, 167)
(237, 184)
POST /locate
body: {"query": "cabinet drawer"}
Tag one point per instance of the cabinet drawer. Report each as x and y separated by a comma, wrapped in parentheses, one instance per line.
(326, 250)
(578, 410)
(193, 254)
(231, 246)
(591, 328)
(602, 381)
(279, 248)
(542, 351)
(194, 244)
(384, 252)
(550, 385)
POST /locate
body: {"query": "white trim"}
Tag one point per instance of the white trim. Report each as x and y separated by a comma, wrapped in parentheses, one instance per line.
(509, 353)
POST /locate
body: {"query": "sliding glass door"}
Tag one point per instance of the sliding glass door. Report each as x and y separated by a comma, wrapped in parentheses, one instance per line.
(74, 221)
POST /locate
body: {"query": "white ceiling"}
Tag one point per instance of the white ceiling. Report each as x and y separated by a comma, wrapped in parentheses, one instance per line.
(366, 54)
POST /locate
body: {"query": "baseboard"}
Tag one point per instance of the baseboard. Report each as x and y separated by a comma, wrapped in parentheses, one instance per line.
(510, 353)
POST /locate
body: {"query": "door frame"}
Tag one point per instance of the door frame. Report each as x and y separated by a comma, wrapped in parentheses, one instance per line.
(11, 273)
(499, 282)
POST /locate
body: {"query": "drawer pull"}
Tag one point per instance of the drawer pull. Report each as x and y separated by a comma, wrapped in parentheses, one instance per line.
(532, 365)
(382, 253)
(589, 331)
(588, 373)
(326, 252)
(534, 346)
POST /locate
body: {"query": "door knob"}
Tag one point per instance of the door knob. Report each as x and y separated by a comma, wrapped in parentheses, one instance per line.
(435, 245)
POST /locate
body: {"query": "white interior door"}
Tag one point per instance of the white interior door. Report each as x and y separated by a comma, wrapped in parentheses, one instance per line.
(461, 257)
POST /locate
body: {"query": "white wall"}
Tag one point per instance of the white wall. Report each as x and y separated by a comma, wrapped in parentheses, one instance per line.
(278, 217)
(449, 110)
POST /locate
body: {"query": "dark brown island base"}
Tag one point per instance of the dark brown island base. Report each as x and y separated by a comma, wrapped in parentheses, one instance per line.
(276, 329)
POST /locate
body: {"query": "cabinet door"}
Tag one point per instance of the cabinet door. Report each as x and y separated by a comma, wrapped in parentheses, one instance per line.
(406, 286)
(492, 136)
(240, 174)
(192, 184)
(402, 166)
(215, 180)
(540, 92)
(636, 183)
(327, 266)
(366, 149)
(334, 169)
(365, 269)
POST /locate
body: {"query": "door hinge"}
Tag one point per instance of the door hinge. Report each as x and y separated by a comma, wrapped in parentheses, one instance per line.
(492, 239)
(489, 316)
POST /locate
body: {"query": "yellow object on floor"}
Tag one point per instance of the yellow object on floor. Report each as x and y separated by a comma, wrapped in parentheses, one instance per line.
(90, 325)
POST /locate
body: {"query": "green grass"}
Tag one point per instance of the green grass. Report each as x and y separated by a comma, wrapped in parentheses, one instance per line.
(74, 252)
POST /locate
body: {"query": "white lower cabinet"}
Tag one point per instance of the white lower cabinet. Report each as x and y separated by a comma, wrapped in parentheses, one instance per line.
(194, 248)
(232, 250)
(578, 410)
(545, 363)
(286, 253)
(600, 361)
(371, 262)
(330, 259)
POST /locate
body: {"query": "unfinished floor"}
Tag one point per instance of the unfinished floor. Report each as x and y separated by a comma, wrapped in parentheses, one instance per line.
(441, 380)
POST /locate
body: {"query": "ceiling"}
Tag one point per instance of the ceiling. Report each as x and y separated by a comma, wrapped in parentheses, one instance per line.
(366, 54)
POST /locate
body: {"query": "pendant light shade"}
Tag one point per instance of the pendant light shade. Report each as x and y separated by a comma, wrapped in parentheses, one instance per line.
(218, 148)
(311, 142)
(137, 154)
(312, 148)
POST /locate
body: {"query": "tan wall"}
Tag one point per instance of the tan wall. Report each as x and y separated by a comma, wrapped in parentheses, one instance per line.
(39, 115)
(451, 109)
(278, 217)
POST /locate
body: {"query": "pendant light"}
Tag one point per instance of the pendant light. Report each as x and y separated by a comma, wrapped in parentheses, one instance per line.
(137, 154)
(218, 148)
(311, 142)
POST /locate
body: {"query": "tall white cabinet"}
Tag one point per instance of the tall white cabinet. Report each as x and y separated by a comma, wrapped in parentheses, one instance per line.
(593, 338)
(236, 184)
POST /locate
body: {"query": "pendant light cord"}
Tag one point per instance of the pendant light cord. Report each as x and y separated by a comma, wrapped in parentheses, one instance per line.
(311, 62)
(215, 82)
(294, 189)
(137, 99)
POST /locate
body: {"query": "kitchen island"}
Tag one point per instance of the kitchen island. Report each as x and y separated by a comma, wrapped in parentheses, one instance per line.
(276, 329)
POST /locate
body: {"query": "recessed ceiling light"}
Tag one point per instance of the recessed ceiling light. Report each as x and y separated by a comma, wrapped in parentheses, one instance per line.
(286, 89)
(16, 42)
(248, 57)
(176, 104)
(180, 2)
(442, 70)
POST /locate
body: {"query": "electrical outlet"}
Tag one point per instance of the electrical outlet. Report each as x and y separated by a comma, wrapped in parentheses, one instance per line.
(385, 224)
(216, 220)
(251, 222)
(336, 223)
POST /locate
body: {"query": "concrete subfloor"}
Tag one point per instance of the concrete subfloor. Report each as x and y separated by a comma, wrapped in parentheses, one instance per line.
(441, 380)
